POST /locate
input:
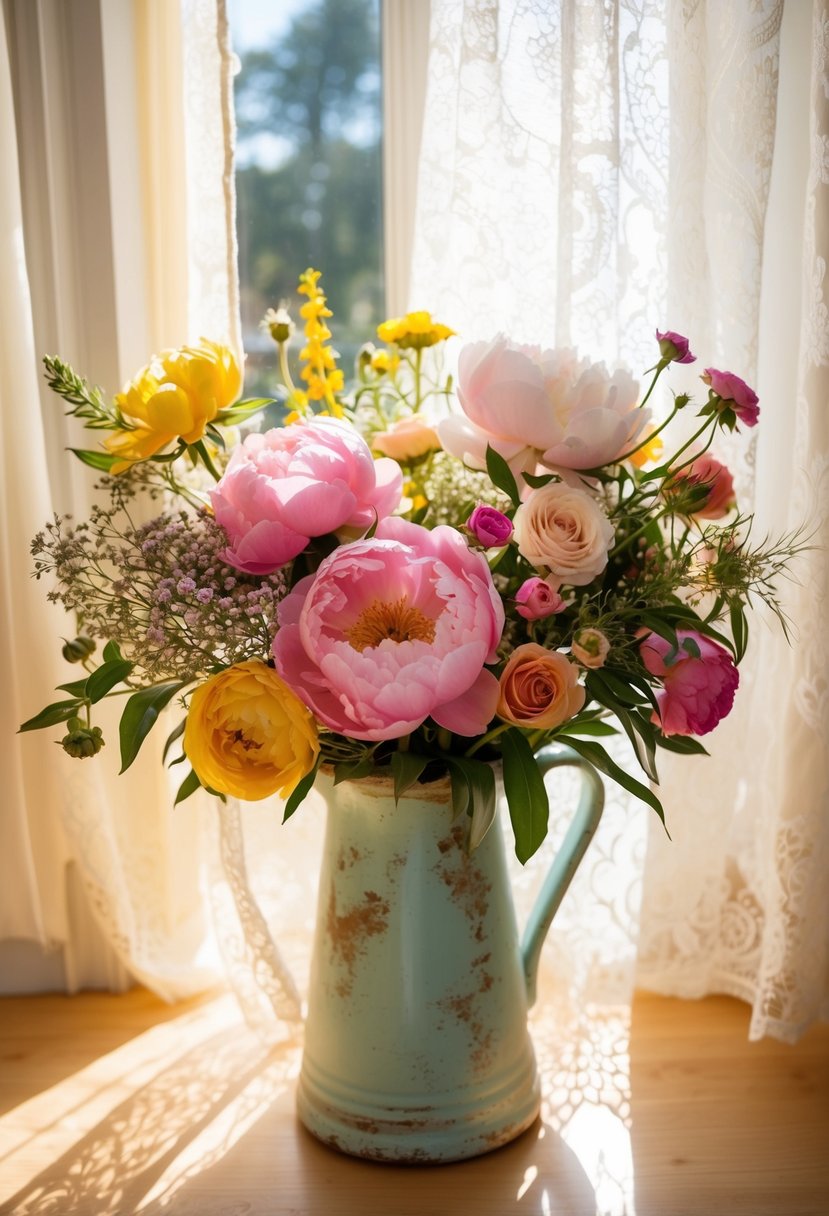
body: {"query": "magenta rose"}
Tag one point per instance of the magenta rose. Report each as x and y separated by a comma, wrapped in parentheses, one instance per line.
(537, 598)
(281, 488)
(489, 526)
(393, 630)
(674, 347)
(699, 680)
(734, 394)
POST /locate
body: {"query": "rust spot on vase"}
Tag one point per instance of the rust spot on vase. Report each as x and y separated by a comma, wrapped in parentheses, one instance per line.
(346, 858)
(465, 1008)
(348, 932)
(467, 883)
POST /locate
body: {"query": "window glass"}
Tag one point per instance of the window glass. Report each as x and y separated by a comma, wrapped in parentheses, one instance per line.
(308, 166)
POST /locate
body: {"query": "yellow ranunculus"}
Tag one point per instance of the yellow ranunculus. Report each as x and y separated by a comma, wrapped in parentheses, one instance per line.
(248, 734)
(176, 395)
(415, 330)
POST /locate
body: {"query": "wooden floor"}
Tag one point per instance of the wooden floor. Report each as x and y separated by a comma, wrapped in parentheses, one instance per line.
(112, 1105)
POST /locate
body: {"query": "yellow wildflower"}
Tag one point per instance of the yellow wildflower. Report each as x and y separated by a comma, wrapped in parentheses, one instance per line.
(320, 372)
(384, 362)
(175, 396)
(416, 330)
(248, 734)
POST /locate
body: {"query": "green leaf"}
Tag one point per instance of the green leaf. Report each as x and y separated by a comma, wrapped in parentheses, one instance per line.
(140, 715)
(188, 786)
(461, 793)
(406, 767)
(174, 734)
(96, 460)
(300, 791)
(76, 689)
(598, 757)
(112, 652)
(589, 728)
(58, 711)
(243, 409)
(480, 801)
(352, 770)
(684, 745)
(538, 480)
(642, 739)
(500, 474)
(105, 677)
(739, 630)
(525, 792)
(618, 687)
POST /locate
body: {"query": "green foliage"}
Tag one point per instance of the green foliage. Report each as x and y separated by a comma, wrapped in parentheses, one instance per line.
(525, 793)
(140, 716)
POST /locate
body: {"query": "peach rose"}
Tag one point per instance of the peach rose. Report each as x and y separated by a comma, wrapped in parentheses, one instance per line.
(564, 529)
(539, 688)
(407, 440)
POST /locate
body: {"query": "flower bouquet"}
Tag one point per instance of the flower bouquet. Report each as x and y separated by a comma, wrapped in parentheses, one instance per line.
(404, 573)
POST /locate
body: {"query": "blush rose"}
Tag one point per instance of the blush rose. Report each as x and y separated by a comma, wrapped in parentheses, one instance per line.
(564, 529)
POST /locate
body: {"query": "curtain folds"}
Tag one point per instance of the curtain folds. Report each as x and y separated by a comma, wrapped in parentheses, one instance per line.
(81, 847)
(606, 169)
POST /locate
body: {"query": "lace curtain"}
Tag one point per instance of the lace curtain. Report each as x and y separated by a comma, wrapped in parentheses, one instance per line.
(590, 171)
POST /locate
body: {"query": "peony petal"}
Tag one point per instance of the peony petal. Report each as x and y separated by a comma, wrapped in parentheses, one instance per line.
(471, 712)
(264, 548)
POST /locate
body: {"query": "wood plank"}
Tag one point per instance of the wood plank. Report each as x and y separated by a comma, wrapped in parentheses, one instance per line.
(118, 1104)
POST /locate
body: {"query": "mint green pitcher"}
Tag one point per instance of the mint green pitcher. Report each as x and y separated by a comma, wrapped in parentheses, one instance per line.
(416, 1040)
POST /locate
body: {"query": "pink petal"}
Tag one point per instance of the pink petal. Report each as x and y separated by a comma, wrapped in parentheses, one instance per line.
(471, 712)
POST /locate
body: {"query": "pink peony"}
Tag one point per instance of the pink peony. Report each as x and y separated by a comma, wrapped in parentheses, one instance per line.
(699, 681)
(534, 405)
(299, 481)
(734, 394)
(715, 485)
(393, 630)
(674, 347)
(490, 527)
(538, 598)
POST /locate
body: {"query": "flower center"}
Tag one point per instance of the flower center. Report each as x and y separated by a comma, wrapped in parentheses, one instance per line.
(238, 739)
(397, 621)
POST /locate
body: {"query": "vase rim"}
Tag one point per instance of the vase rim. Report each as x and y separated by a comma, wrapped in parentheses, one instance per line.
(381, 785)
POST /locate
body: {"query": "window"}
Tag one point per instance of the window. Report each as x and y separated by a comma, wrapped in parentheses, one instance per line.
(309, 174)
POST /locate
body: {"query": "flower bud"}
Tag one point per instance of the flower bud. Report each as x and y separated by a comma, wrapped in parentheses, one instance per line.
(278, 323)
(490, 527)
(674, 348)
(83, 742)
(78, 649)
(590, 647)
(538, 598)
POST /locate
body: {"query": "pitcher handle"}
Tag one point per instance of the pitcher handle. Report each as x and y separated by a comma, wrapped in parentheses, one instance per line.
(566, 861)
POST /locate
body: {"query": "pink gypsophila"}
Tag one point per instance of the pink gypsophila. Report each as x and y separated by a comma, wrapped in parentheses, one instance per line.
(393, 630)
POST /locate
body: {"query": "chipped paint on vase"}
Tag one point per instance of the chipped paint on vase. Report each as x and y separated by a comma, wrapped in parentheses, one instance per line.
(416, 1041)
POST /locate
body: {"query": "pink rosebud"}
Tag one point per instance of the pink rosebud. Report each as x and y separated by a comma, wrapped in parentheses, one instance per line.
(537, 598)
(734, 394)
(490, 527)
(674, 347)
(699, 680)
(714, 484)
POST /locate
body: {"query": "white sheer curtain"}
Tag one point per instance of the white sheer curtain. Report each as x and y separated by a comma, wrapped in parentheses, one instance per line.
(117, 225)
(590, 171)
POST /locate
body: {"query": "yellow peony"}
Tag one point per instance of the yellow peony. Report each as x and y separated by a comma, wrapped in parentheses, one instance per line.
(248, 734)
(175, 396)
(415, 330)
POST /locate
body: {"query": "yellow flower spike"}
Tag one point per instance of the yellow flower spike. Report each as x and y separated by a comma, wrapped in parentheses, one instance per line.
(649, 452)
(248, 734)
(414, 331)
(320, 372)
(175, 396)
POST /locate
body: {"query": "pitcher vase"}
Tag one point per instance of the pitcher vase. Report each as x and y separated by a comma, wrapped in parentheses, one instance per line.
(416, 1040)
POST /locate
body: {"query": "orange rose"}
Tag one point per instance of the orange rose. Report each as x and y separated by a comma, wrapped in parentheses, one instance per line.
(539, 688)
